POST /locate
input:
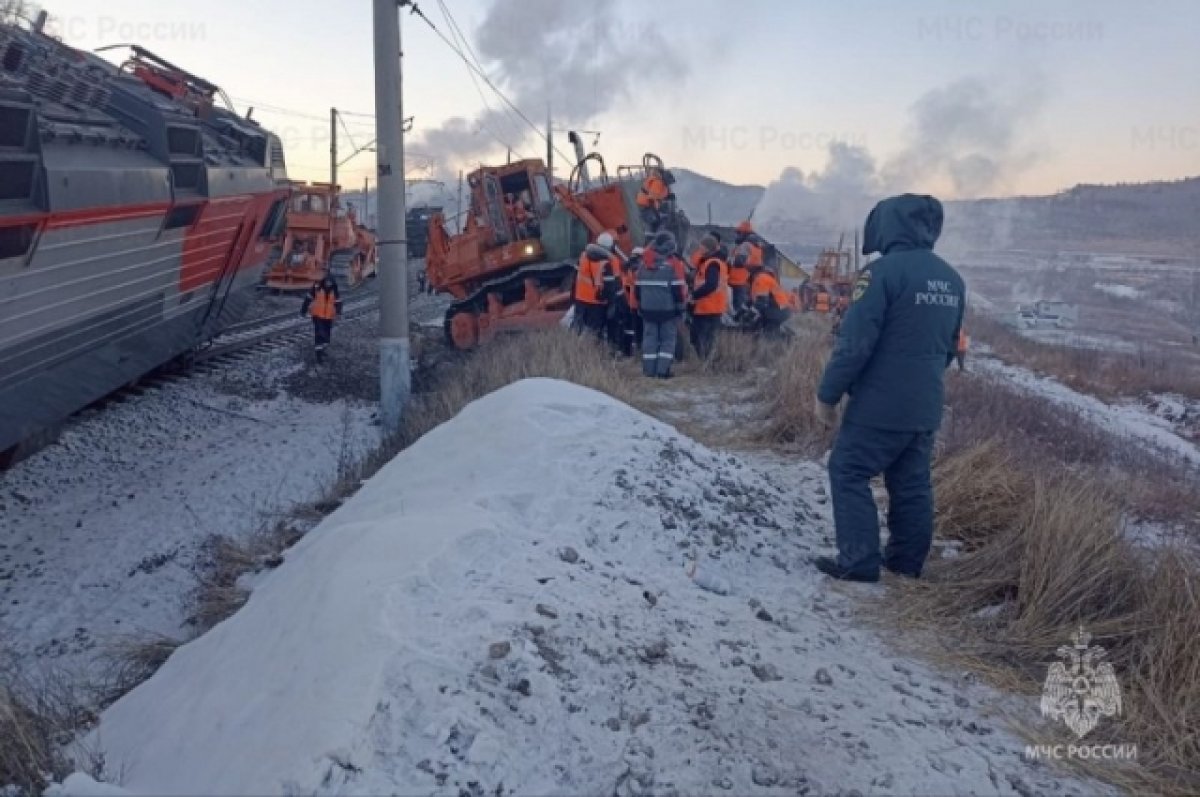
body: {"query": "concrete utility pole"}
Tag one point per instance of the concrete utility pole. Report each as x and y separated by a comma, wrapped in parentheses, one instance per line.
(333, 146)
(395, 379)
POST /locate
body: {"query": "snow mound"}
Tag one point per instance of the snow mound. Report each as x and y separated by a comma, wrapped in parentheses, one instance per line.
(505, 608)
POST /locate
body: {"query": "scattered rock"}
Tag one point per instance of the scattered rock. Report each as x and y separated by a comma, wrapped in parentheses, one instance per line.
(523, 686)
(764, 775)
(498, 650)
(649, 596)
(766, 672)
(613, 724)
(723, 783)
(546, 611)
(823, 677)
(961, 701)
(568, 555)
(655, 651)
(764, 615)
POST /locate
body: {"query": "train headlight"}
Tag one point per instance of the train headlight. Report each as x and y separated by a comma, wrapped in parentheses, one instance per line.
(529, 249)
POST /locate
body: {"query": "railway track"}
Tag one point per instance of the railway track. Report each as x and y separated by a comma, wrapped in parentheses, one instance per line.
(272, 332)
(237, 342)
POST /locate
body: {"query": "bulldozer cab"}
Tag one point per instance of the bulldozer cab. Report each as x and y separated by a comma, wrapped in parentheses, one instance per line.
(510, 200)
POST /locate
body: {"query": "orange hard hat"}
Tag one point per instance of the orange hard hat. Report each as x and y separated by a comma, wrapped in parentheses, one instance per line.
(745, 227)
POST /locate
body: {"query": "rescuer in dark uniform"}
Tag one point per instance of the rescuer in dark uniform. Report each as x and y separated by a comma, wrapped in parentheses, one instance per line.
(326, 305)
(895, 343)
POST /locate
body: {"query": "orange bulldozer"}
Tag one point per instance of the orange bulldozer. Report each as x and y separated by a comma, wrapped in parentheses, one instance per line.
(512, 265)
(321, 236)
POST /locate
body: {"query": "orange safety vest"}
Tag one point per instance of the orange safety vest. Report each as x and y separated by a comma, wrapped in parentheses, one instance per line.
(822, 305)
(652, 192)
(590, 282)
(324, 305)
(629, 284)
(756, 256)
(717, 302)
(765, 284)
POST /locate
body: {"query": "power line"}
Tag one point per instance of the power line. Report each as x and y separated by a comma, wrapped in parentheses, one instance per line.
(461, 38)
(487, 81)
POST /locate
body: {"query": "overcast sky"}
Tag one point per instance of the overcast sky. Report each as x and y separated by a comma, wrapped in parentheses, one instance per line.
(1021, 96)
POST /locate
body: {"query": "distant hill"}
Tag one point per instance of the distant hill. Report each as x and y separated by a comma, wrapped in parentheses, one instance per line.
(1139, 218)
(730, 203)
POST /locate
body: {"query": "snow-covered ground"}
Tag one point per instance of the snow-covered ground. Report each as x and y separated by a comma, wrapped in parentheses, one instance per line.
(101, 533)
(1118, 291)
(1128, 421)
(505, 609)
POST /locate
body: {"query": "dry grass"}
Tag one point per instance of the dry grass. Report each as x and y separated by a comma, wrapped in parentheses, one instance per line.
(218, 594)
(1044, 553)
(1107, 374)
(36, 720)
(557, 354)
(788, 394)
(1148, 485)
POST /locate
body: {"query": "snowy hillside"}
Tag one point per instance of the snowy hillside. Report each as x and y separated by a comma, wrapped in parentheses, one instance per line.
(504, 608)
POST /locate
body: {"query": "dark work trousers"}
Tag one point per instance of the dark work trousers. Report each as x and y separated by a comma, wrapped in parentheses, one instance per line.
(859, 454)
(322, 332)
(591, 318)
(621, 330)
(704, 334)
(741, 296)
(651, 219)
(658, 346)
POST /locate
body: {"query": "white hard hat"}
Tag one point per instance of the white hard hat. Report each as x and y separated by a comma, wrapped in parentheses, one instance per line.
(606, 240)
(637, 250)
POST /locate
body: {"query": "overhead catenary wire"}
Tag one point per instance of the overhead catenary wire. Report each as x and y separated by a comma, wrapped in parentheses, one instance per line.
(458, 36)
(488, 81)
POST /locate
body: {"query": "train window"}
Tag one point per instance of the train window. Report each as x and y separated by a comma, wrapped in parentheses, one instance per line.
(181, 216)
(183, 140)
(16, 240)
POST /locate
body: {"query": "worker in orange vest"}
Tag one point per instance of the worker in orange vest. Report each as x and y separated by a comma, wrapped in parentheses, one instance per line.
(596, 285)
(960, 349)
(710, 295)
(650, 198)
(747, 254)
(325, 304)
(772, 305)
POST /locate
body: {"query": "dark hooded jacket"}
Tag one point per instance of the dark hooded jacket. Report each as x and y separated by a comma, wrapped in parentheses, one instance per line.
(899, 334)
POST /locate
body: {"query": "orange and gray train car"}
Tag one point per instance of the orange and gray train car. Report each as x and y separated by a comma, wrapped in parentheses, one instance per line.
(135, 222)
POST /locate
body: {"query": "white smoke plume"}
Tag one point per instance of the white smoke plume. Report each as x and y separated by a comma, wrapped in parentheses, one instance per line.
(579, 58)
(963, 140)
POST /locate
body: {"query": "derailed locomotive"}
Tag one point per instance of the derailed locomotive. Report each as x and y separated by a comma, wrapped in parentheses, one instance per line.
(136, 217)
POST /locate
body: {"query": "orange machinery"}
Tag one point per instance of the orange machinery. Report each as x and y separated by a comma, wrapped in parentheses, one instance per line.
(506, 275)
(321, 236)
